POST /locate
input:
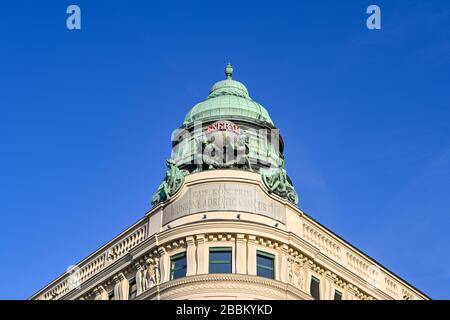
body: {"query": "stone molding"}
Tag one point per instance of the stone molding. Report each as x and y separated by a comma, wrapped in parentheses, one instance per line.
(228, 284)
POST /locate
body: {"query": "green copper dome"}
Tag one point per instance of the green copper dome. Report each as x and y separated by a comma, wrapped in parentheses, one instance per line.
(228, 99)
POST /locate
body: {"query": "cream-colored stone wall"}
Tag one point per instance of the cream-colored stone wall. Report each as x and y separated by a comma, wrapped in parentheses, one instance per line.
(229, 208)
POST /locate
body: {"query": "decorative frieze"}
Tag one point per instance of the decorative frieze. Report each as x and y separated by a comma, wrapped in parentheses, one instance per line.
(147, 274)
(296, 271)
(180, 243)
(220, 237)
(267, 242)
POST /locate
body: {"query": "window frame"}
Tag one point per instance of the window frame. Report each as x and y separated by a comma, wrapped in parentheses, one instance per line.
(315, 280)
(220, 262)
(173, 259)
(266, 255)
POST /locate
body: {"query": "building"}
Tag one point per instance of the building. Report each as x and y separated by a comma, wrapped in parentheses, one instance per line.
(225, 224)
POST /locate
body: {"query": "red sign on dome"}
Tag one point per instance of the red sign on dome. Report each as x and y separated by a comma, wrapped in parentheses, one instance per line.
(223, 126)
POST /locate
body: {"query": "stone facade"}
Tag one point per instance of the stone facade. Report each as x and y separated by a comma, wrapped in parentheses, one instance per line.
(232, 209)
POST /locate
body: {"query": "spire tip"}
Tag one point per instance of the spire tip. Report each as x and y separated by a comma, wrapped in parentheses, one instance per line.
(229, 71)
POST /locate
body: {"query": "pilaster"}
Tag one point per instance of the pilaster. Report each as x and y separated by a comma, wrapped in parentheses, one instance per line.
(164, 265)
(282, 274)
(251, 247)
(241, 254)
(191, 256)
(202, 255)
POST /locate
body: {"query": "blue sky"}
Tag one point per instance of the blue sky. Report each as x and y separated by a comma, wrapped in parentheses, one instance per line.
(86, 118)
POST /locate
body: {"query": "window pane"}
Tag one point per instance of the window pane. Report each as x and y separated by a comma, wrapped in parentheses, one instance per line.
(337, 295)
(268, 262)
(220, 260)
(265, 265)
(178, 266)
(179, 273)
(265, 273)
(220, 268)
(220, 256)
(315, 288)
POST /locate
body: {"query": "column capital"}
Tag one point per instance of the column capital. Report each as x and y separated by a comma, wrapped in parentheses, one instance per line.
(190, 240)
(162, 250)
(200, 238)
(240, 236)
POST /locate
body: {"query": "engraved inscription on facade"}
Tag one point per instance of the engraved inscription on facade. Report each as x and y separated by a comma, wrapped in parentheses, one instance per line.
(209, 197)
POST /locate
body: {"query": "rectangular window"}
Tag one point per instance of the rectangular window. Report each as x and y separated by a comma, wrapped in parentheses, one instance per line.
(178, 266)
(220, 260)
(265, 265)
(133, 289)
(315, 288)
(337, 295)
(111, 295)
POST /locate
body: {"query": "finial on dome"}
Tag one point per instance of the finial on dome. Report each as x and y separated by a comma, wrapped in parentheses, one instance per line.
(229, 71)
